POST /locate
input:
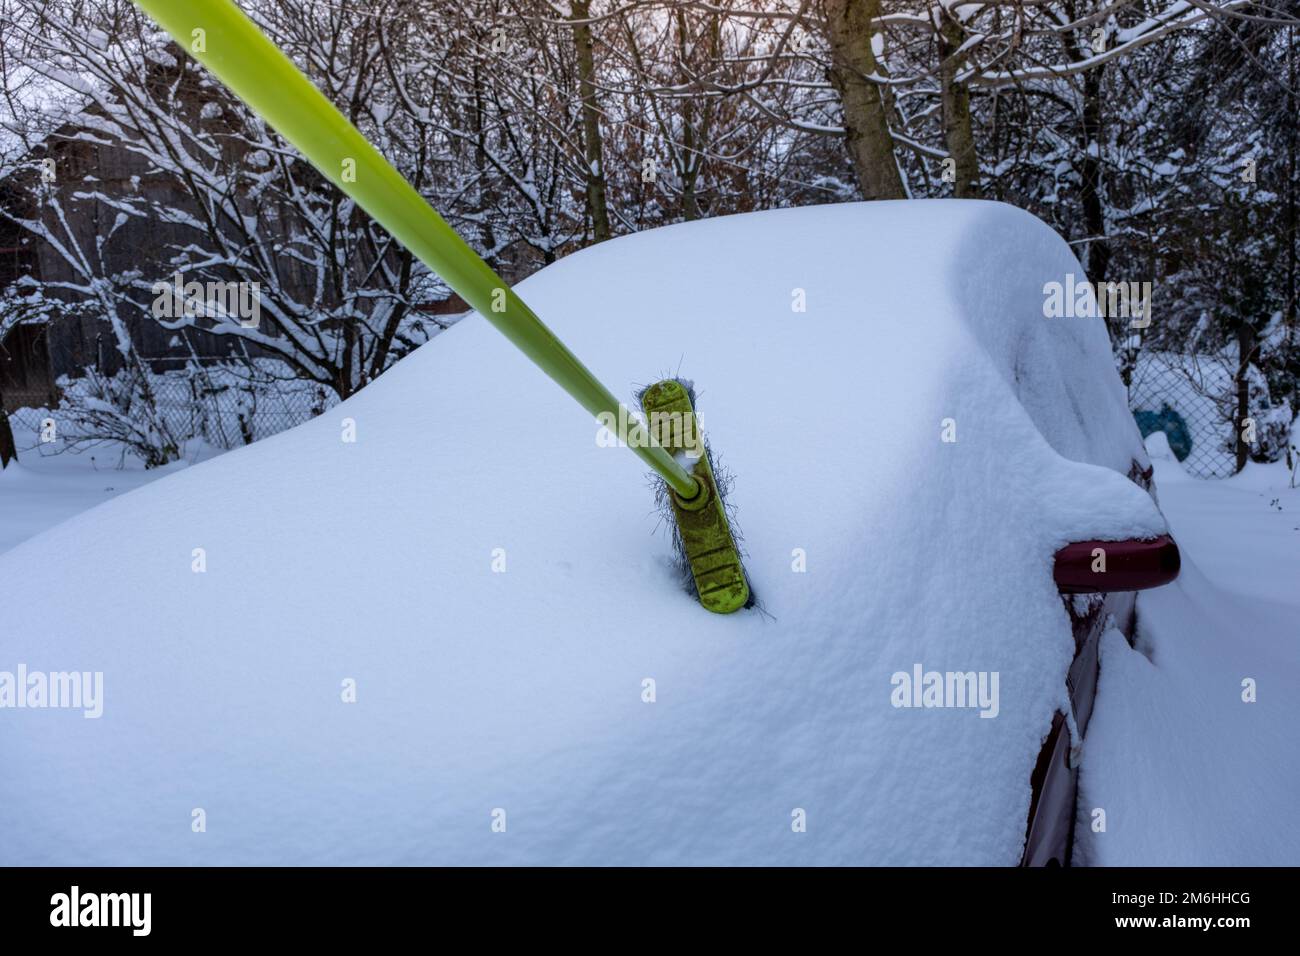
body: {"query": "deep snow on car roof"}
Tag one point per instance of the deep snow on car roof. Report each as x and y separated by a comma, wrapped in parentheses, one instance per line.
(495, 585)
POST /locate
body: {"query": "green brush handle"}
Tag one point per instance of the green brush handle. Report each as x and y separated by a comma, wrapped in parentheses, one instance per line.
(255, 70)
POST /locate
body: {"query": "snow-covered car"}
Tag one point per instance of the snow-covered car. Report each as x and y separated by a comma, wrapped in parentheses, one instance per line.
(441, 623)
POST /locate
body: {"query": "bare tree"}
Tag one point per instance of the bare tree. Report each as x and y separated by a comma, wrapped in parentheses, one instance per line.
(218, 195)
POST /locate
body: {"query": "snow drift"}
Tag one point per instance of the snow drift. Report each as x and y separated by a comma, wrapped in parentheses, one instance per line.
(525, 690)
(1191, 750)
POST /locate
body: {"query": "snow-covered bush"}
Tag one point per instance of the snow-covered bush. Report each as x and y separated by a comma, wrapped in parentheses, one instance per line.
(153, 415)
(120, 408)
(1272, 434)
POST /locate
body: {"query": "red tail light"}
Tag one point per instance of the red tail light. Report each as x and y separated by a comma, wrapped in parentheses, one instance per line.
(1093, 567)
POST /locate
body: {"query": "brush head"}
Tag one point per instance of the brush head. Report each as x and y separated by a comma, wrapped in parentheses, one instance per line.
(707, 549)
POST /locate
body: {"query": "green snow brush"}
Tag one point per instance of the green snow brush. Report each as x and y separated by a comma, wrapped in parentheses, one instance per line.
(222, 38)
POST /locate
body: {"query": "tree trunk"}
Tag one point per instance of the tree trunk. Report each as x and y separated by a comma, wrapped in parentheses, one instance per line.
(1245, 351)
(1094, 214)
(689, 164)
(593, 147)
(8, 450)
(850, 26)
(1289, 310)
(690, 175)
(958, 134)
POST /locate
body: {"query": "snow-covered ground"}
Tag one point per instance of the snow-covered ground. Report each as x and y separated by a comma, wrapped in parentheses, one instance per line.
(45, 488)
(1187, 771)
(492, 585)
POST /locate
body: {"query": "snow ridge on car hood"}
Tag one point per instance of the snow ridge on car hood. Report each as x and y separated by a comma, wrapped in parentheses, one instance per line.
(524, 691)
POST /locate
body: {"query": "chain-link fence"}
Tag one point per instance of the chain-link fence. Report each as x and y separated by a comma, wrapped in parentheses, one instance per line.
(225, 405)
(1193, 400)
